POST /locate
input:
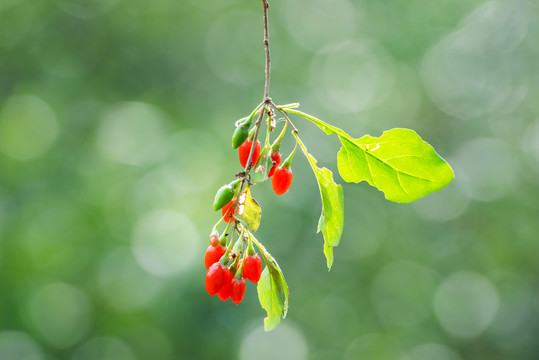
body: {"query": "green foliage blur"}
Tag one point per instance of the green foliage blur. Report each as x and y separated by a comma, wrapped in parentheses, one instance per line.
(115, 127)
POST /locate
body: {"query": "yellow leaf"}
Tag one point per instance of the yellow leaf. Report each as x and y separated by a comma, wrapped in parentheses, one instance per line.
(249, 212)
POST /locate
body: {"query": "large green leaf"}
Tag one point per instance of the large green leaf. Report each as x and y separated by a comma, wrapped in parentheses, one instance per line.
(332, 217)
(272, 290)
(399, 162)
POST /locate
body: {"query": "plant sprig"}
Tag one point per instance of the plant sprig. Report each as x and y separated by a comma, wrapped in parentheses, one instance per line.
(399, 163)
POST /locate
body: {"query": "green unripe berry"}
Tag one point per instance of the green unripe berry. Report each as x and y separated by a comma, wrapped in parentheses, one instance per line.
(240, 135)
(223, 196)
(235, 184)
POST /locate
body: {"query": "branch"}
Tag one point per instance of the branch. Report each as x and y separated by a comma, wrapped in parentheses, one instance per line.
(266, 102)
(265, 7)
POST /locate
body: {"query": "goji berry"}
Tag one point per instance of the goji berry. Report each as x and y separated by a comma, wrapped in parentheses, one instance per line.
(213, 254)
(244, 151)
(282, 179)
(252, 268)
(228, 211)
(226, 290)
(276, 159)
(238, 290)
(215, 278)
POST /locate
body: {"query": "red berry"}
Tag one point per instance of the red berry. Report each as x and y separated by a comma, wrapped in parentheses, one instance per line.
(238, 290)
(225, 292)
(214, 239)
(276, 159)
(281, 181)
(213, 254)
(228, 211)
(252, 268)
(215, 278)
(244, 151)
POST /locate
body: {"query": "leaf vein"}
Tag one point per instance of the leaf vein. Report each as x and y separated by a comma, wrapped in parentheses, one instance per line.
(370, 170)
(406, 155)
(397, 170)
(399, 181)
(352, 170)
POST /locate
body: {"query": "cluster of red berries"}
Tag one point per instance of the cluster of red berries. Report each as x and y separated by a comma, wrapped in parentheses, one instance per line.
(229, 265)
(227, 273)
(282, 175)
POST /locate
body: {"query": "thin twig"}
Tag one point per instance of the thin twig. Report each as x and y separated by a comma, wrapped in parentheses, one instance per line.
(265, 7)
(285, 115)
(267, 99)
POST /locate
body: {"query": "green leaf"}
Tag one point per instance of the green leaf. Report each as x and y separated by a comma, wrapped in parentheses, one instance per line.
(399, 162)
(249, 212)
(269, 299)
(288, 106)
(272, 289)
(328, 129)
(332, 217)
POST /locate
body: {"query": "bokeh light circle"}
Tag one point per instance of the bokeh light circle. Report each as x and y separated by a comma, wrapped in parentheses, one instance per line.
(466, 303)
(284, 343)
(485, 169)
(61, 314)
(28, 127)
(15, 345)
(166, 242)
(130, 132)
(352, 76)
(471, 72)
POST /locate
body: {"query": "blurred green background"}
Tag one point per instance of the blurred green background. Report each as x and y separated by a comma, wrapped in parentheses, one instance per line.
(115, 126)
